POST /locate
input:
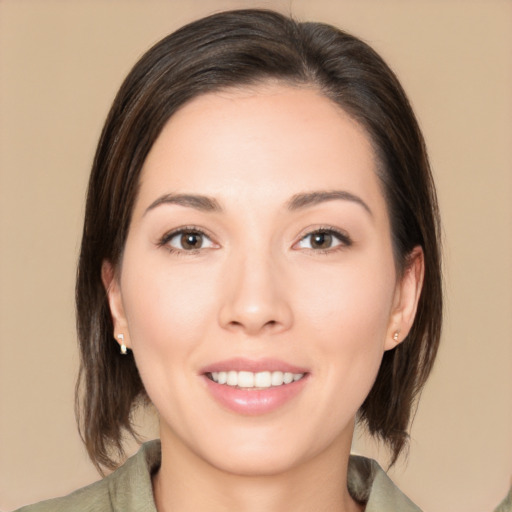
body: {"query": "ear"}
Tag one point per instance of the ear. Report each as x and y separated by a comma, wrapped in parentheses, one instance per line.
(407, 295)
(113, 289)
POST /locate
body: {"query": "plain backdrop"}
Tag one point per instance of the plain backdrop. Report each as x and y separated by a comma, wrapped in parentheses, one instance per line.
(61, 63)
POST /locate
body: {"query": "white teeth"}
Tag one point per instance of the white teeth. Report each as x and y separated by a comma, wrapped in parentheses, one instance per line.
(277, 378)
(263, 380)
(258, 380)
(245, 379)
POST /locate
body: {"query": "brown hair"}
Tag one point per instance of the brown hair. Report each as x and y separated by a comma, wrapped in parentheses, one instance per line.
(233, 49)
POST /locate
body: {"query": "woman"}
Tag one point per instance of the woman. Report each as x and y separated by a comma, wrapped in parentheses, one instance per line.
(260, 261)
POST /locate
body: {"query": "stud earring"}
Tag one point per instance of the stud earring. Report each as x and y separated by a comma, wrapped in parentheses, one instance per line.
(395, 336)
(124, 350)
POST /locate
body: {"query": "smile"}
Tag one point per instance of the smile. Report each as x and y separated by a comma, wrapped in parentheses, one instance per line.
(259, 380)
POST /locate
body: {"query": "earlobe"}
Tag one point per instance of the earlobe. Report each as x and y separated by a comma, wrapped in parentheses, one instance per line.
(112, 287)
(407, 296)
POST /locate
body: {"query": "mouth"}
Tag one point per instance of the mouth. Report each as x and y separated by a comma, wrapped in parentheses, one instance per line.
(254, 387)
(254, 380)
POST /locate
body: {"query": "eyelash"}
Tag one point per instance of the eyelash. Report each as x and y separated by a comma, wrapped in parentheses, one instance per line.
(193, 230)
(342, 237)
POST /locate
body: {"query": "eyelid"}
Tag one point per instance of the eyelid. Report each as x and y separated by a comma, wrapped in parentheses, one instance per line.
(169, 235)
(342, 237)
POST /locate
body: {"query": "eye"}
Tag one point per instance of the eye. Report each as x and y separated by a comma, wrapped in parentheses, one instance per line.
(186, 240)
(324, 240)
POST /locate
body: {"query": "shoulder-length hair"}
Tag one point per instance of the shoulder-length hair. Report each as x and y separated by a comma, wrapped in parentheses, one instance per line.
(237, 49)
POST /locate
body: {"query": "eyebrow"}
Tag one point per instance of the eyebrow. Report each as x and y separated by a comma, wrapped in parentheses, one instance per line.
(297, 202)
(198, 202)
(300, 201)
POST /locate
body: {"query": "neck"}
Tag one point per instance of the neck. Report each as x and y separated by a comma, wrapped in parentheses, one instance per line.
(187, 483)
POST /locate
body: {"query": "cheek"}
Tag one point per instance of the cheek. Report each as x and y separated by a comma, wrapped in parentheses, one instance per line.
(168, 312)
(351, 301)
(347, 312)
(169, 315)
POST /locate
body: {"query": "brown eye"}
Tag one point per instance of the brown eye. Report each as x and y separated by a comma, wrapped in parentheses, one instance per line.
(191, 241)
(321, 240)
(187, 241)
(324, 240)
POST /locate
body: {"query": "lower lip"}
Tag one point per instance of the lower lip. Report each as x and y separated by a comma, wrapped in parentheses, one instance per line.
(253, 402)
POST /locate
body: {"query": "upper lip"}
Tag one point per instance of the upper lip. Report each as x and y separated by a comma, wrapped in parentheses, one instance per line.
(240, 364)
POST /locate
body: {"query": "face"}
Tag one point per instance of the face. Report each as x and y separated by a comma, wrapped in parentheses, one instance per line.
(257, 288)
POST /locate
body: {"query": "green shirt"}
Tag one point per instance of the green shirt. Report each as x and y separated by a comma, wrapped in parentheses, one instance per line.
(129, 488)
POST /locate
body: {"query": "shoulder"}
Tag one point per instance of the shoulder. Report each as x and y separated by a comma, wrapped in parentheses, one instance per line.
(506, 504)
(370, 484)
(126, 489)
(93, 497)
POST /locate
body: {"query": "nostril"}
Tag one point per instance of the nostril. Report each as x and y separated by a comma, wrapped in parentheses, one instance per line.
(254, 326)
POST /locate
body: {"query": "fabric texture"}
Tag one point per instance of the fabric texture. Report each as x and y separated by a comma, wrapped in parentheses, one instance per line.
(129, 488)
(506, 504)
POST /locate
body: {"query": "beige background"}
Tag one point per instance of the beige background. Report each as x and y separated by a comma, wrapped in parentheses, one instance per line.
(61, 62)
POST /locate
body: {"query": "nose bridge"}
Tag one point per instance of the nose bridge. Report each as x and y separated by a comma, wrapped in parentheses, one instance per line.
(255, 296)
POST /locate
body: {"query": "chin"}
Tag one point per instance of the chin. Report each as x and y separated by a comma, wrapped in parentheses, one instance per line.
(257, 465)
(271, 452)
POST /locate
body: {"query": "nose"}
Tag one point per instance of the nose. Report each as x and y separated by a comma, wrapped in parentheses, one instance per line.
(255, 297)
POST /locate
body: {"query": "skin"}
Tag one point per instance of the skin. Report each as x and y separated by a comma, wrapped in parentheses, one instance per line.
(256, 287)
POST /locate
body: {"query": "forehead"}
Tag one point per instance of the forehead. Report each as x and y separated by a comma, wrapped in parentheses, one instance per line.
(269, 140)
